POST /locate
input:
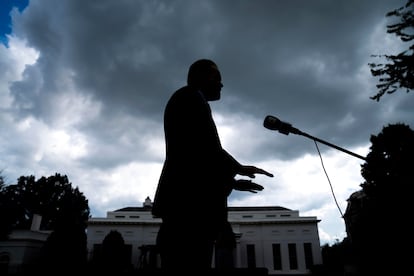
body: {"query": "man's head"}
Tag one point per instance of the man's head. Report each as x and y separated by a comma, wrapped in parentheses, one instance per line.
(205, 76)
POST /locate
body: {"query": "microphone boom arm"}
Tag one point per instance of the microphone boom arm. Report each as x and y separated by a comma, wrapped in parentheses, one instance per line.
(274, 123)
(329, 144)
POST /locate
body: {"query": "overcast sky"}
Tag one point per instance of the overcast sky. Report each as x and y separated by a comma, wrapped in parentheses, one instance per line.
(83, 86)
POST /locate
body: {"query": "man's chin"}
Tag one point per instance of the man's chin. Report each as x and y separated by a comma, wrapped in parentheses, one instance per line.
(215, 98)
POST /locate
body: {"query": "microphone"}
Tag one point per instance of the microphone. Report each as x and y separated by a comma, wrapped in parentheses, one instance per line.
(273, 123)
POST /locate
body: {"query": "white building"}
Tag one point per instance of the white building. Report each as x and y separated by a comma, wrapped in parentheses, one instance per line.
(275, 238)
(21, 251)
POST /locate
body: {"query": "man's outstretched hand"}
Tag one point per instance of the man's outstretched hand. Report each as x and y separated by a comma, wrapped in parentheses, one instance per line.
(250, 171)
(246, 185)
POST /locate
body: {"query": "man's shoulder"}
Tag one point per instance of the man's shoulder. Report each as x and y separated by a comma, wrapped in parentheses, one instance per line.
(186, 92)
(185, 89)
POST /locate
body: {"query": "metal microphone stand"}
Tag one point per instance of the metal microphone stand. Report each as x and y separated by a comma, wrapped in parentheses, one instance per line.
(274, 123)
(329, 144)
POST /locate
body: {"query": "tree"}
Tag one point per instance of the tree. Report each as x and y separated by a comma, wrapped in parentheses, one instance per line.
(64, 211)
(388, 167)
(114, 256)
(53, 198)
(2, 181)
(333, 257)
(65, 251)
(399, 72)
(5, 210)
(377, 216)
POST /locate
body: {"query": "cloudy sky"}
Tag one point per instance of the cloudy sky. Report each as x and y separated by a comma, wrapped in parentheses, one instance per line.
(84, 85)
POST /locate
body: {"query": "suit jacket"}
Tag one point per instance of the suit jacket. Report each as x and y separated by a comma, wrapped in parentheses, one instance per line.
(197, 172)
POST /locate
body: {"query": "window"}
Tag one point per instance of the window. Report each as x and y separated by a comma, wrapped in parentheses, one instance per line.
(293, 258)
(277, 256)
(251, 256)
(307, 246)
(4, 263)
(97, 252)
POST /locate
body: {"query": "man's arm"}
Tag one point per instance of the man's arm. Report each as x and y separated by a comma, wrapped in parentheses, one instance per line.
(246, 170)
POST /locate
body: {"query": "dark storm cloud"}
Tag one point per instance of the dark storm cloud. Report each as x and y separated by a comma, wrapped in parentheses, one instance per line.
(290, 58)
(302, 61)
(126, 54)
(298, 60)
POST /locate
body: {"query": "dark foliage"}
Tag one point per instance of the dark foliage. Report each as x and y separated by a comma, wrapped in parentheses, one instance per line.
(53, 198)
(113, 256)
(64, 211)
(388, 167)
(5, 210)
(65, 250)
(398, 73)
(377, 216)
(333, 257)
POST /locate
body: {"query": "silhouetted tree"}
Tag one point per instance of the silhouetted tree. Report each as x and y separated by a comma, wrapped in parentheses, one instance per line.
(2, 181)
(377, 220)
(388, 167)
(334, 258)
(399, 72)
(5, 211)
(64, 211)
(114, 254)
(12, 210)
(66, 247)
(65, 251)
(53, 198)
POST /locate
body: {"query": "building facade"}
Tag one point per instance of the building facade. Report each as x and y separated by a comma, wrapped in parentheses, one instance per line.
(21, 251)
(273, 237)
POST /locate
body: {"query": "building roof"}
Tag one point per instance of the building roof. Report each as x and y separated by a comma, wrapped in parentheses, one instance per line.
(231, 208)
(147, 206)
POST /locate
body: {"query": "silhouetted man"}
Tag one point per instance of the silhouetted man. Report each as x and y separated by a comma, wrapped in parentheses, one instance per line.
(197, 176)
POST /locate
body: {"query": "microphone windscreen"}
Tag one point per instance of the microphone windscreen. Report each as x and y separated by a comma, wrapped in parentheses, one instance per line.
(271, 122)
